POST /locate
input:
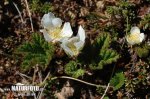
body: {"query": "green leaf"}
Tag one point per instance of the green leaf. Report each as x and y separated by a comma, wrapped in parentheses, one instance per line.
(72, 69)
(106, 97)
(103, 54)
(103, 41)
(107, 57)
(78, 73)
(142, 51)
(118, 80)
(36, 51)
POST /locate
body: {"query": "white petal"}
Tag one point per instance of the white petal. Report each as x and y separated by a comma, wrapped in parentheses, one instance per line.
(46, 35)
(81, 33)
(65, 48)
(74, 39)
(65, 40)
(79, 45)
(142, 36)
(51, 15)
(57, 22)
(131, 42)
(68, 51)
(62, 39)
(66, 31)
(134, 29)
(47, 20)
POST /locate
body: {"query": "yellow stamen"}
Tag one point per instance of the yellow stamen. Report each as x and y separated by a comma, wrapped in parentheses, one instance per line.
(134, 37)
(73, 48)
(55, 33)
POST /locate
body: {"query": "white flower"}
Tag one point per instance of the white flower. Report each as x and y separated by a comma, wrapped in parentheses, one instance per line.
(73, 45)
(135, 37)
(52, 28)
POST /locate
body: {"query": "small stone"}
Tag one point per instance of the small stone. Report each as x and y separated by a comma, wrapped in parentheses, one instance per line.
(7, 65)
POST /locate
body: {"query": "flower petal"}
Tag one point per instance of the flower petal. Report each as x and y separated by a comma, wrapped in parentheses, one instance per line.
(135, 29)
(47, 20)
(81, 33)
(74, 39)
(65, 48)
(66, 31)
(79, 45)
(142, 36)
(51, 15)
(46, 35)
(129, 40)
(57, 22)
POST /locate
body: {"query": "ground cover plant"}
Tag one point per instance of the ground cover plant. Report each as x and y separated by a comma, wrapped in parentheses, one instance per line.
(75, 49)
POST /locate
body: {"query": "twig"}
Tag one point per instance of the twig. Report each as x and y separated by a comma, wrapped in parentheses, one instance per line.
(34, 95)
(40, 95)
(91, 84)
(109, 81)
(23, 75)
(40, 76)
(46, 77)
(34, 75)
(27, 7)
(105, 90)
(18, 12)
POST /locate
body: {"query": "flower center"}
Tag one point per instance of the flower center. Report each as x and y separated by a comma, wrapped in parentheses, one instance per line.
(134, 37)
(72, 47)
(55, 33)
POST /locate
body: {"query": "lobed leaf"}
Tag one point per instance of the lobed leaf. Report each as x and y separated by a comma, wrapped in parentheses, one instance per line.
(103, 54)
(36, 51)
(118, 80)
(72, 69)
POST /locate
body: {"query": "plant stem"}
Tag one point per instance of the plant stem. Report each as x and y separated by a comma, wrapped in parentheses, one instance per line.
(91, 84)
